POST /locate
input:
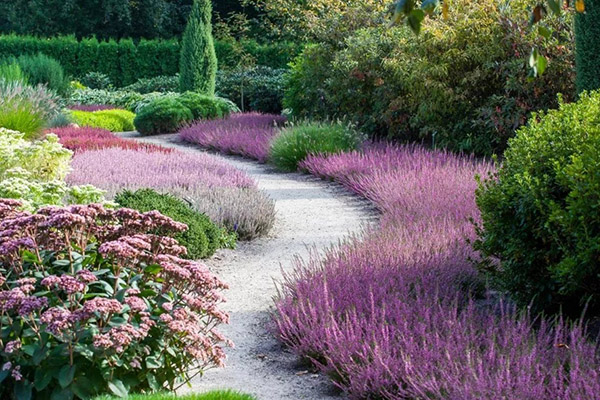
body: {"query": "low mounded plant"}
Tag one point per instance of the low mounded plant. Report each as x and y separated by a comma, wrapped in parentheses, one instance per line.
(295, 143)
(540, 230)
(43, 70)
(26, 109)
(163, 115)
(203, 106)
(11, 72)
(34, 172)
(162, 84)
(112, 120)
(98, 304)
(213, 395)
(202, 238)
(97, 80)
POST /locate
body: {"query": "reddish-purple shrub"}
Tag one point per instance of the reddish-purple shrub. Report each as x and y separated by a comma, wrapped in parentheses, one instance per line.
(394, 315)
(91, 302)
(86, 138)
(92, 107)
(247, 134)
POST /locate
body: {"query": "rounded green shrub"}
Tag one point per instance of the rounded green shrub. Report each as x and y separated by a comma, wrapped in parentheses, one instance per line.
(294, 144)
(41, 69)
(202, 237)
(96, 80)
(111, 120)
(162, 115)
(540, 230)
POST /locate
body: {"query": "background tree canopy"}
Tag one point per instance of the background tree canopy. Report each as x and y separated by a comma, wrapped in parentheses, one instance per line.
(104, 18)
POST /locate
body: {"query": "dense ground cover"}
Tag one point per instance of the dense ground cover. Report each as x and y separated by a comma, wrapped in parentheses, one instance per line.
(247, 134)
(395, 314)
(228, 196)
(214, 395)
(83, 139)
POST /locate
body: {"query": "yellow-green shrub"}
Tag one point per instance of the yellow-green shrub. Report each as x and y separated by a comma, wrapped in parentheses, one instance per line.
(112, 120)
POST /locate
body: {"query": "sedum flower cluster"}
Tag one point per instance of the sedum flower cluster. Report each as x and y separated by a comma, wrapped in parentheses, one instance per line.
(35, 172)
(92, 303)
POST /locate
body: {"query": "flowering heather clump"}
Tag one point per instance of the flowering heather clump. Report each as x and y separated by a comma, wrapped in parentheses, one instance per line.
(93, 107)
(97, 304)
(247, 134)
(228, 196)
(85, 138)
(394, 315)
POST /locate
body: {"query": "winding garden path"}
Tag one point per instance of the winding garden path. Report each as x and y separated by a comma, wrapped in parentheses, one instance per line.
(310, 215)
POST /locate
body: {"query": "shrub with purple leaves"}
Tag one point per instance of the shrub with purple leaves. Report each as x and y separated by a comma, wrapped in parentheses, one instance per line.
(91, 302)
(396, 314)
(227, 195)
(249, 134)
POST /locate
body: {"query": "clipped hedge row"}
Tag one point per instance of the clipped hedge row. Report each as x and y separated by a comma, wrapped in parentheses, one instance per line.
(124, 61)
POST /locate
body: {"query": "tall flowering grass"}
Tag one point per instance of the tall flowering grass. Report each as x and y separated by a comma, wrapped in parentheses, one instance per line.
(395, 315)
(248, 134)
(228, 196)
(85, 138)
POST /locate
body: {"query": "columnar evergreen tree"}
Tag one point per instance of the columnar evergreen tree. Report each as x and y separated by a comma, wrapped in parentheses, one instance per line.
(587, 37)
(198, 65)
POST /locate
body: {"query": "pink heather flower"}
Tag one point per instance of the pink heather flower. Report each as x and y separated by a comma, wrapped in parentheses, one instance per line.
(86, 276)
(13, 346)
(6, 366)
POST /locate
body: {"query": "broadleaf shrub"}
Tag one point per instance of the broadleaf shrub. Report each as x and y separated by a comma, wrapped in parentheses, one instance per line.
(295, 143)
(465, 85)
(261, 88)
(539, 229)
(112, 120)
(114, 308)
(201, 238)
(161, 84)
(96, 80)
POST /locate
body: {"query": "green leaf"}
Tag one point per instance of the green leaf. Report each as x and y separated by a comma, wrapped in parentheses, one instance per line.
(65, 375)
(61, 394)
(153, 362)
(414, 20)
(42, 377)
(544, 31)
(23, 390)
(83, 388)
(118, 388)
(152, 382)
(3, 375)
(541, 64)
(153, 269)
(554, 6)
(429, 6)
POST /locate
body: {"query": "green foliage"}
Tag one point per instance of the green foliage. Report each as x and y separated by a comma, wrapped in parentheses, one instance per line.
(256, 89)
(203, 106)
(587, 32)
(276, 55)
(462, 83)
(34, 172)
(11, 72)
(112, 120)
(294, 144)
(213, 395)
(43, 70)
(96, 80)
(163, 115)
(26, 109)
(198, 63)
(540, 211)
(202, 237)
(161, 84)
(122, 99)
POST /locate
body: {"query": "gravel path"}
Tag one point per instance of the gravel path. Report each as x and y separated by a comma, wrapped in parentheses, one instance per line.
(311, 214)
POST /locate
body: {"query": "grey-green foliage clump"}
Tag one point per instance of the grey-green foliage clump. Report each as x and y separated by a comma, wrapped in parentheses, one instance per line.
(198, 63)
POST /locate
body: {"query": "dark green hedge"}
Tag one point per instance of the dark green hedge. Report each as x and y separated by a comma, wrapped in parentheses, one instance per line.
(587, 36)
(125, 62)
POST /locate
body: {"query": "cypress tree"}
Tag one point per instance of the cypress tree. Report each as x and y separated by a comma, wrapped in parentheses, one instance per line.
(587, 40)
(198, 65)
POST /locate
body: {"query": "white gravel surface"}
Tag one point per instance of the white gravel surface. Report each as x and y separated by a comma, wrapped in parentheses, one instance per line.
(311, 214)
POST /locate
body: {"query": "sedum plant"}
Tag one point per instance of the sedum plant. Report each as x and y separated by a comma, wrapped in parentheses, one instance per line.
(96, 304)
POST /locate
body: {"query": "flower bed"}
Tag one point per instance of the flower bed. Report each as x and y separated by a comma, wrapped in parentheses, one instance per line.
(247, 134)
(395, 315)
(97, 304)
(85, 138)
(228, 196)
